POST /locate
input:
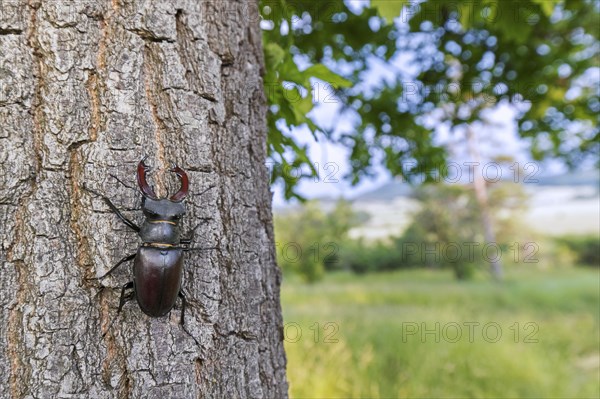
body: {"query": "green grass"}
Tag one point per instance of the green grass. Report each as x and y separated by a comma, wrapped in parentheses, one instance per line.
(366, 351)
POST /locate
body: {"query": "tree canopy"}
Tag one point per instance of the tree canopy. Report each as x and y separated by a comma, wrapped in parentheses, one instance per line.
(459, 60)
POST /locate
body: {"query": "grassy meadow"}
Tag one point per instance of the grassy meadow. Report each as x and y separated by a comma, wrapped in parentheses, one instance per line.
(536, 335)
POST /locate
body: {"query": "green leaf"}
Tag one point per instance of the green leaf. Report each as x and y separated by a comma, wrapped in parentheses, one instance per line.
(388, 9)
(274, 55)
(325, 74)
(302, 107)
(547, 6)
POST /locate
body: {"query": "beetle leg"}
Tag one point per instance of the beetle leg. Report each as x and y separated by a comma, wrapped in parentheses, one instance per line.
(137, 201)
(187, 249)
(125, 298)
(181, 320)
(192, 233)
(183, 305)
(122, 301)
(114, 209)
(112, 269)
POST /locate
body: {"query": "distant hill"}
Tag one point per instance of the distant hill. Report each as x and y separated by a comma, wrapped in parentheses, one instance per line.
(387, 192)
(397, 188)
(586, 178)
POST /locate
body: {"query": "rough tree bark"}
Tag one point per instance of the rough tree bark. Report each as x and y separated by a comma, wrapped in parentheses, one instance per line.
(86, 89)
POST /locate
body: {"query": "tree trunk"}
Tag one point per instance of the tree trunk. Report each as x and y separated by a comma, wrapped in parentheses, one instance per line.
(481, 194)
(86, 89)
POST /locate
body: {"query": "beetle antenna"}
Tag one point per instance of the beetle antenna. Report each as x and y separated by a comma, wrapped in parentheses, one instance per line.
(121, 181)
(204, 191)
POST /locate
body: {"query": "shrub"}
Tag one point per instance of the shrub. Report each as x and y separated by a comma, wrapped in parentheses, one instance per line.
(309, 240)
(360, 257)
(585, 248)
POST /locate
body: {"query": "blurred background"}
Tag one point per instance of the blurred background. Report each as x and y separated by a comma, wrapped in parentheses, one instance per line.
(436, 196)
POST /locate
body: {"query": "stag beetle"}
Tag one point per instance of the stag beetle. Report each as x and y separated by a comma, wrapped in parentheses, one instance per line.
(158, 262)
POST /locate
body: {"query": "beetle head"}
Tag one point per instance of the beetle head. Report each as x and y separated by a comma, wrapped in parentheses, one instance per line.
(154, 207)
(162, 209)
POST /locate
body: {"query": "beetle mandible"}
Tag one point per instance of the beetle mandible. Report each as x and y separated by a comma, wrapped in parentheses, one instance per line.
(158, 262)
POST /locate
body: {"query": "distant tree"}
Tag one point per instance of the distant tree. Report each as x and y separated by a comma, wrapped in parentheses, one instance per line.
(446, 231)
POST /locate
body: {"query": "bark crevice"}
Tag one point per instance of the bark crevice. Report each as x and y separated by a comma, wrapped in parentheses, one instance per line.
(151, 60)
(10, 31)
(17, 250)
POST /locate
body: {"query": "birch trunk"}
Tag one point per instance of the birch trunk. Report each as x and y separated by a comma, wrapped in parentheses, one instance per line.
(481, 194)
(86, 89)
